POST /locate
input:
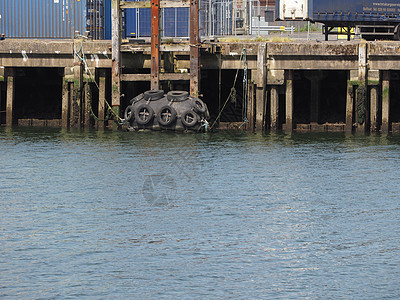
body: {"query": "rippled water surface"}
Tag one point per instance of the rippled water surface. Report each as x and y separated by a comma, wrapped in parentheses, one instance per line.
(225, 215)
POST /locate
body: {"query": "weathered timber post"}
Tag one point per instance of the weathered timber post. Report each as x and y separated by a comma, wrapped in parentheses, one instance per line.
(65, 99)
(373, 81)
(10, 96)
(102, 99)
(77, 97)
(250, 104)
(261, 84)
(194, 49)
(274, 108)
(361, 92)
(155, 44)
(350, 100)
(275, 79)
(88, 103)
(289, 101)
(116, 57)
(385, 101)
(169, 67)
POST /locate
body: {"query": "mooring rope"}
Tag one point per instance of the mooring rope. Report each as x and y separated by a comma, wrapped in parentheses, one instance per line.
(232, 93)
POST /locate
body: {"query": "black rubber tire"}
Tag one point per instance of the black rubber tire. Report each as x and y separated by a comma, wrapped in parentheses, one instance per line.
(166, 115)
(177, 95)
(199, 106)
(153, 94)
(144, 114)
(189, 118)
(129, 113)
(136, 99)
(396, 36)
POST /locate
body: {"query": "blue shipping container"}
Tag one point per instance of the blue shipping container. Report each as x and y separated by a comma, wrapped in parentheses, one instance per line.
(356, 11)
(174, 22)
(107, 20)
(137, 22)
(42, 18)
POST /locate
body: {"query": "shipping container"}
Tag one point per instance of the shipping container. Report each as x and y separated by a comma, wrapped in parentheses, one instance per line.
(339, 10)
(174, 22)
(98, 19)
(373, 19)
(42, 18)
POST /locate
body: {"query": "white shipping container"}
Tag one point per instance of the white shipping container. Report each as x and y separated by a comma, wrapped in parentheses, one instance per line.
(292, 9)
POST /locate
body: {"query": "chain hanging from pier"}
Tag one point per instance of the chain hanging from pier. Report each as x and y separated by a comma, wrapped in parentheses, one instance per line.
(232, 95)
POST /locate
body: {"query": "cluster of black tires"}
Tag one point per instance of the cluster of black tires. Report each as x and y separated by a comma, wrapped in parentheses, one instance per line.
(174, 111)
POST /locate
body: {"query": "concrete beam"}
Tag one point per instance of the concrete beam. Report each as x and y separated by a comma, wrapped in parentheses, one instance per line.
(276, 77)
(310, 49)
(163, 76)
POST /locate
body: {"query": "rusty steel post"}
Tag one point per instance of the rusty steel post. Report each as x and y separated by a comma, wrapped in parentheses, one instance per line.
(116, 56)
(155, 44)
(194, 49)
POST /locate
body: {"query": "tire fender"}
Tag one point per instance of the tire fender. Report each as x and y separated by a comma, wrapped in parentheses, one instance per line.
(153, 94)
(199, 106)
(166, 115)
(144, 114)
(189, 118)
(129, 113)
(177, 95)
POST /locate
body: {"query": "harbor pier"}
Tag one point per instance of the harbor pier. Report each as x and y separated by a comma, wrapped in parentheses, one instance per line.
(247, 85)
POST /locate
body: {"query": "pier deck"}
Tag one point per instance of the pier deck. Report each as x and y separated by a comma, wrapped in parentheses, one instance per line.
(304, 86)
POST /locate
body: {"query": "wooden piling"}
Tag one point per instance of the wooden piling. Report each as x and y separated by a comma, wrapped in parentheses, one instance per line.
(65, 103)
(102, 99)
(194, 49)
(250, 106)
(274, 108)
(10, 96)
(261, 84)
(385, 101)
(361, 92)
(88, 103)
(289, 101)
(349, 104)
(116, 56)
(373, 82)
(155, 44)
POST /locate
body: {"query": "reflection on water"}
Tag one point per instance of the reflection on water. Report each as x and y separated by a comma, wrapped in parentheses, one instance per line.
(148, 215)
